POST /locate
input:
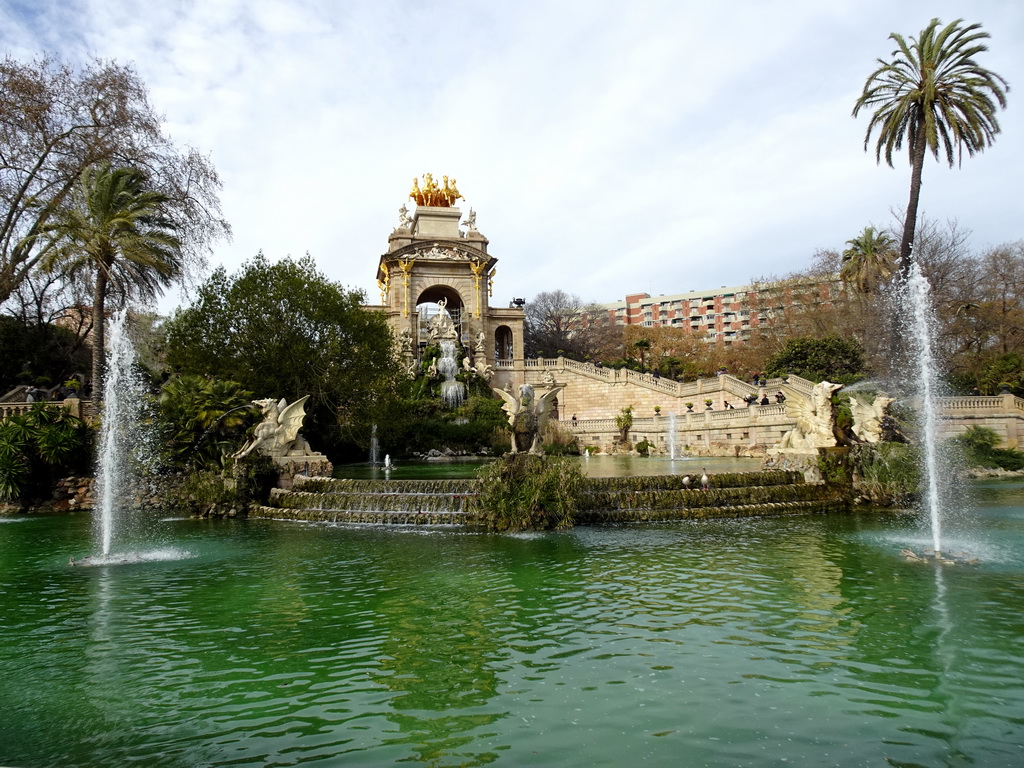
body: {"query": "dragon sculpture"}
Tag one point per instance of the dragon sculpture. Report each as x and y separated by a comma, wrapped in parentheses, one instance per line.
(528, 416)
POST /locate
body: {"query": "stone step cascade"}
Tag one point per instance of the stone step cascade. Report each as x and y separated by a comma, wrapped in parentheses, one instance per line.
(381, 502)
(605, 500)
(735, 494)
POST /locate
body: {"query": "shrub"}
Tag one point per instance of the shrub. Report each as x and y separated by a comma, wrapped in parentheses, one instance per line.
(38, 445)
(978, 445)
(524, 492)
(890, 473)
(559, 441)
(203, 419)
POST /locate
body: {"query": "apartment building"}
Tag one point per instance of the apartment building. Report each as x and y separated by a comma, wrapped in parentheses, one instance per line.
(724, 315)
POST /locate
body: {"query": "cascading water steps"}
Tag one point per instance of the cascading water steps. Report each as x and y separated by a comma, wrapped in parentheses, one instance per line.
(605, 500)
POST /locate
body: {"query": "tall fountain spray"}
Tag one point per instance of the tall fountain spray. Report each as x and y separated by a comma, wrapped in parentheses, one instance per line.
(922, 326)
(123, 442)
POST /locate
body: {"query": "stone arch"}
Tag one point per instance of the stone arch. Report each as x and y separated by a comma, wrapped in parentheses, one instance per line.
(427, 302)
(504, 348)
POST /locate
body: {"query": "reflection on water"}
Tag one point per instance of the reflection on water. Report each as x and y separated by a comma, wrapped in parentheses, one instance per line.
(800, 641)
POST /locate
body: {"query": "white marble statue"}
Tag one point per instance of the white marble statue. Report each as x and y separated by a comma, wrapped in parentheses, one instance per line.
(440, 326)
(278, 435)
(528, 416)
(867, 417)
(471, 221)
(404, 219)
(815, 421)
(484, 371)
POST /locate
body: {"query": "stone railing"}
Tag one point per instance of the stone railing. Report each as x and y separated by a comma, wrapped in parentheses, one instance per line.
(83, 409)
(14, 409)
(999, 403)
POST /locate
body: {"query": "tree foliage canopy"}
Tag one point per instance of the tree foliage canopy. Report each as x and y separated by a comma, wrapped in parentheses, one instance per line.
(557, 323)
(932, 94)
(114, 233)
(831, 358)
(285, 330)
(55, 122)
(868, 261)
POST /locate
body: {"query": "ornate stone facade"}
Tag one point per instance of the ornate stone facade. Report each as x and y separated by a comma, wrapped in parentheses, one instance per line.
(431, 260)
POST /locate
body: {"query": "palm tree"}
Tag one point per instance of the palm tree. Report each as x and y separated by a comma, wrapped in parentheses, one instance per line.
(868, 261)
(932, 92)
(114, 231)
(643, 346)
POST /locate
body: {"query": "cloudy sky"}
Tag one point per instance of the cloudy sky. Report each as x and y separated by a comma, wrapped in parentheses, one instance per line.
(607, 147)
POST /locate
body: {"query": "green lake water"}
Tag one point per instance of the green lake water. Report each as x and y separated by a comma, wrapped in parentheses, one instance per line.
(797, 641)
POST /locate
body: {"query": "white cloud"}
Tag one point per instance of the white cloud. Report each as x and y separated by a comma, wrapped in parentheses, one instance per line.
(607, 148)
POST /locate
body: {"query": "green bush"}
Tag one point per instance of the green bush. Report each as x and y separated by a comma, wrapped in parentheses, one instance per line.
(202, 420)
(890, 473)
(834, 358)
(559, 441)
(524, 492)
(978, 446)
(37, 447)
(215, 492)
(415, 425)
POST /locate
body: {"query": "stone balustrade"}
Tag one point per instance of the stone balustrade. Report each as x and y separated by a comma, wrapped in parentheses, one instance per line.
(83, 409)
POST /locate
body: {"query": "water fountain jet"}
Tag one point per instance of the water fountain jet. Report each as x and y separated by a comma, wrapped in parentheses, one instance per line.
(917, 306)
(124, 453)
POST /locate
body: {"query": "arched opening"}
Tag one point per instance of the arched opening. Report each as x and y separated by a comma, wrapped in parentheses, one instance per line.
(503, 345)
(429, 305)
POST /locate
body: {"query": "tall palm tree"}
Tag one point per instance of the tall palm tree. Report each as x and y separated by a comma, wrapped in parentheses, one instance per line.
(115, 232)
(868, 261)
(932, 93)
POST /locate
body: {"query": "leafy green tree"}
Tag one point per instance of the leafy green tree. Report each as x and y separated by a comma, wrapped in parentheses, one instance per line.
(642, 346)
(115, 231)
(285, 330)
(933, 92)
(831, 358)
(203, 419)
(56, 121)
(42, 354)
(868, 261)
(35, 446)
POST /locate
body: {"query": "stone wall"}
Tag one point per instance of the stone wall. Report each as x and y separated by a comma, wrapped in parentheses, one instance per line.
(597, 395)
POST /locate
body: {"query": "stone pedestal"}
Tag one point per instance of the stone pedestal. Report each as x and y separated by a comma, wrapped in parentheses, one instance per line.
(313, 465)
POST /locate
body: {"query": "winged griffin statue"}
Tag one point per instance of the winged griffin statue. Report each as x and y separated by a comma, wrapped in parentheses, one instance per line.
(869, 418)
(815, 421)
(528, 416)
(278, 435)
